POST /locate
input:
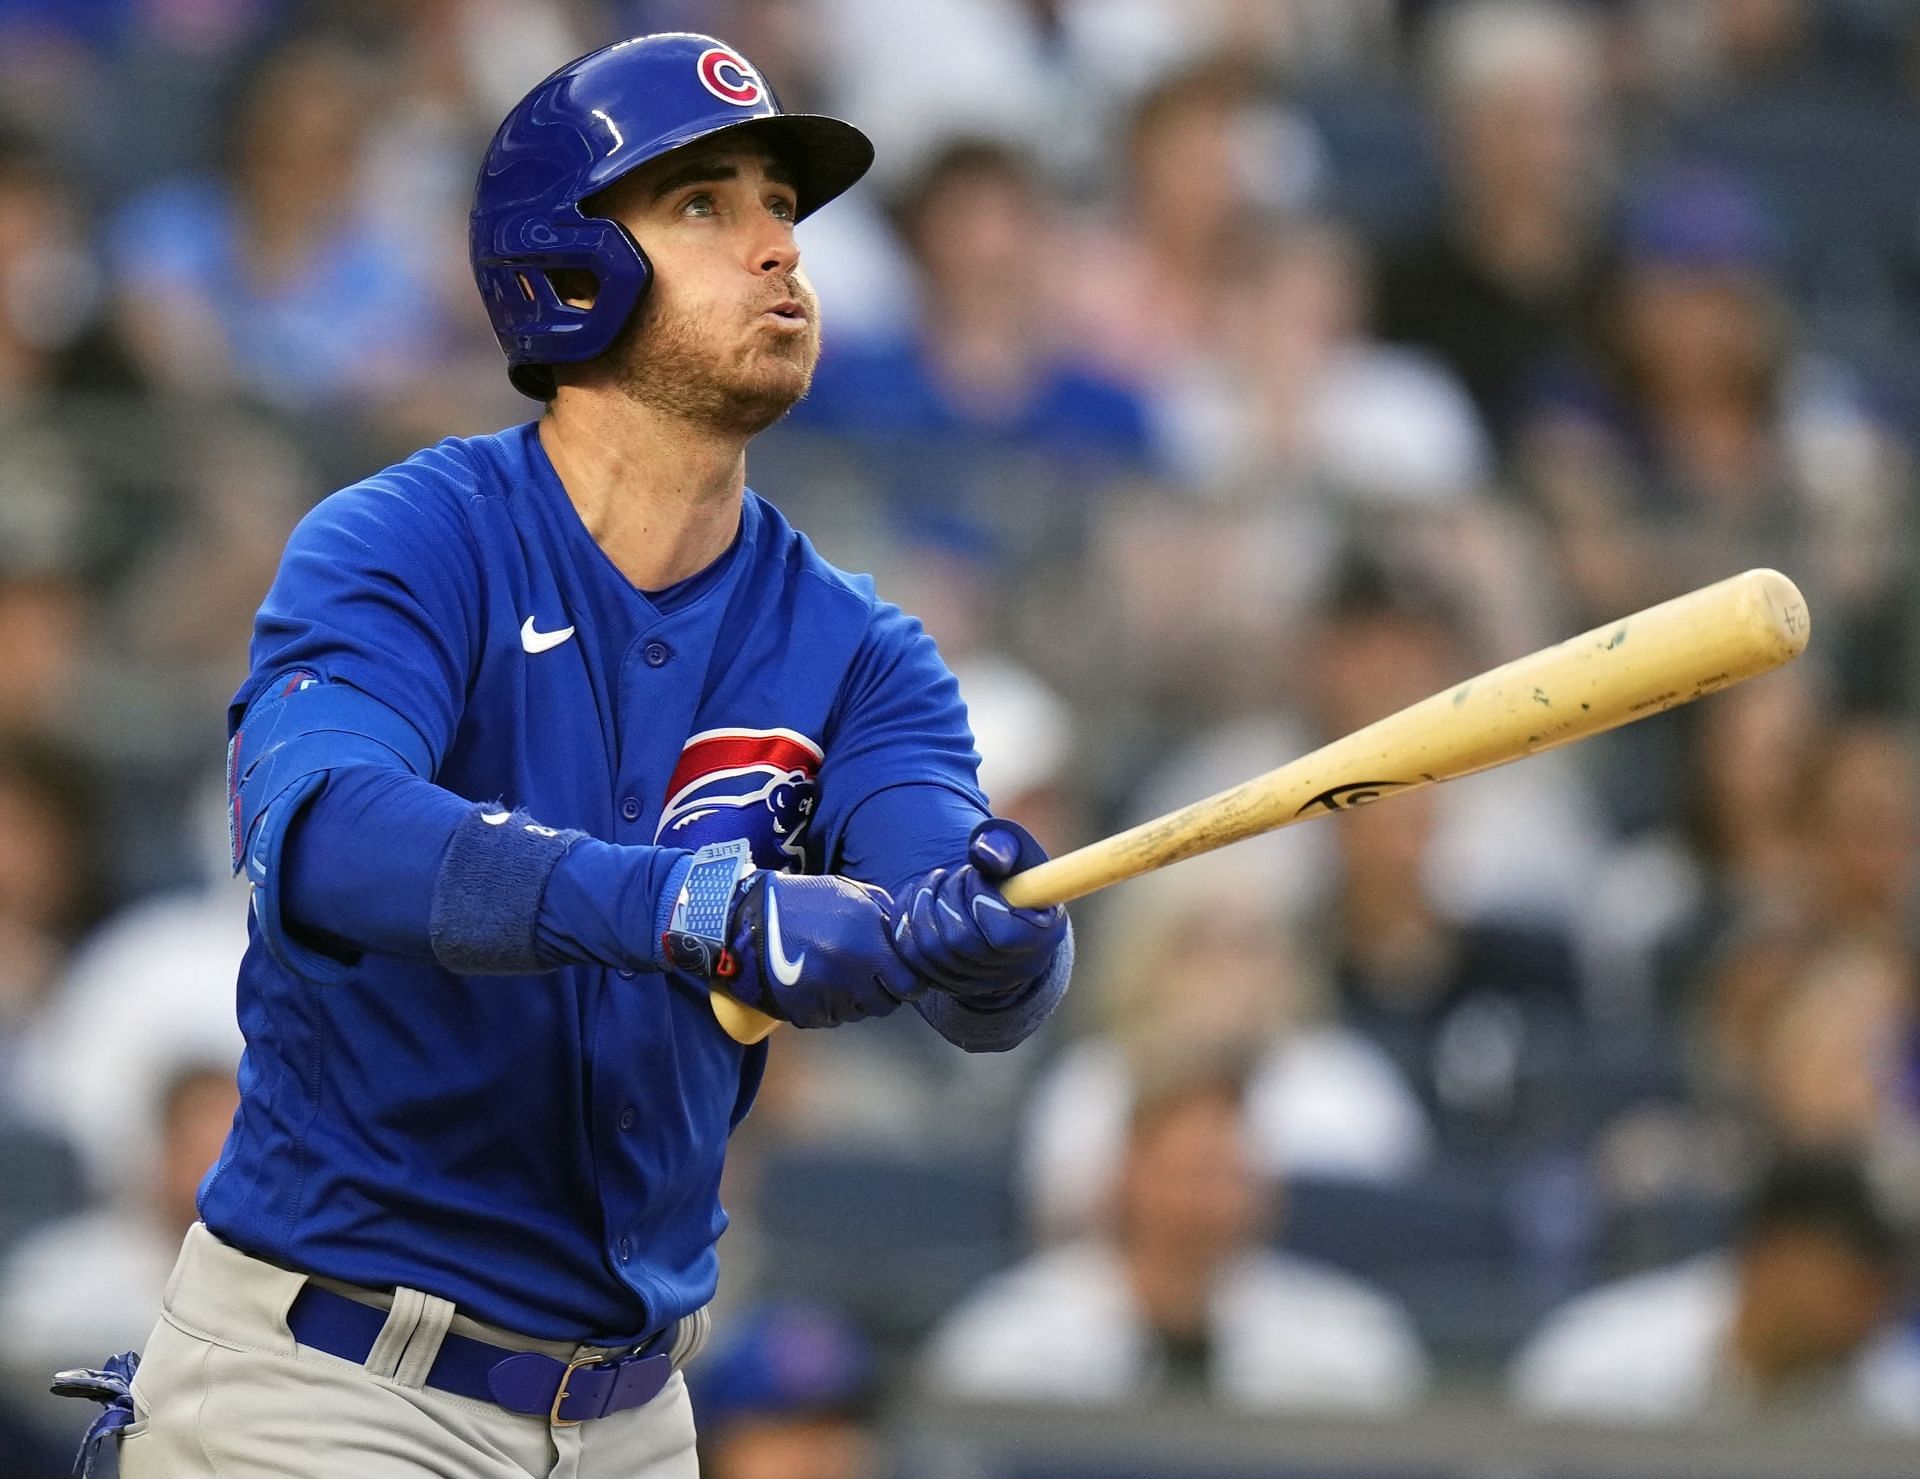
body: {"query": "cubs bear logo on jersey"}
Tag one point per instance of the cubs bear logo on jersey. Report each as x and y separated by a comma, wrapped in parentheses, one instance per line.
(757, 784)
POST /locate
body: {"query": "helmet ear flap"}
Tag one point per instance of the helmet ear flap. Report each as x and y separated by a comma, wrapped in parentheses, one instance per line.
(532, 294)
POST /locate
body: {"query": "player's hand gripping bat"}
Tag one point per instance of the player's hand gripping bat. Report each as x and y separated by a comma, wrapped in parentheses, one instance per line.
(1655, 660)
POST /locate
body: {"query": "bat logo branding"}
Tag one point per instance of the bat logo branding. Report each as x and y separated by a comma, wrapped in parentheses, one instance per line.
(1350, 795)
(756, 785)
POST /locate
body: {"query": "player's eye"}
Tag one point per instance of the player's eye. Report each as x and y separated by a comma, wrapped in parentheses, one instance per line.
(782, 207)
(697, 205)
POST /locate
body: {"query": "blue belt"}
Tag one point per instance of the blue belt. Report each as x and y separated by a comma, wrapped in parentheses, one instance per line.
(564, 1392)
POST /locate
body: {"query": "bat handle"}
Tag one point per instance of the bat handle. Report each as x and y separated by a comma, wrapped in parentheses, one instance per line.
(1041, 886)
(740, 1021)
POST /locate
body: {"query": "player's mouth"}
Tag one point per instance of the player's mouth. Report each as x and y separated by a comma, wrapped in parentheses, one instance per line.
(787, 314)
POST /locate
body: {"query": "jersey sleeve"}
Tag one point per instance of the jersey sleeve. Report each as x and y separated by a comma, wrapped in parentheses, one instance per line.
(899, 722)
(359, 664)
(380, 589)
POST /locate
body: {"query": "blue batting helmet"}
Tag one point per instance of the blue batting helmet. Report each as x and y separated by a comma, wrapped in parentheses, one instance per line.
(594, 120)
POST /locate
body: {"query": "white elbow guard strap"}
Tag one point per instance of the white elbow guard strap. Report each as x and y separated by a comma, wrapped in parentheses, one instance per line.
(297, 729)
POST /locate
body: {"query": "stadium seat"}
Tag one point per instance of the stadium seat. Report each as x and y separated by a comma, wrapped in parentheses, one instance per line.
(40, 1179)
(1454, 1247)
(891, 1240)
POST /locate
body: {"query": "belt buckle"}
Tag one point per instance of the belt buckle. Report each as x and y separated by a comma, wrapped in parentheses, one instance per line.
(553, 1412)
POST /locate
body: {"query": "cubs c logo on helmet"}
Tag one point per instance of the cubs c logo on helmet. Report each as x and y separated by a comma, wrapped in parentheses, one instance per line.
(753, 784)
(729, 77)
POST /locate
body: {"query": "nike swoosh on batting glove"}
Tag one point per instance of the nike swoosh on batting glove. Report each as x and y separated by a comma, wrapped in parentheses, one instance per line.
(956, 934)
(813, 951)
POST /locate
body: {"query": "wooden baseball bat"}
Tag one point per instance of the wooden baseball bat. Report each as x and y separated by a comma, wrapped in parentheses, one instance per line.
(1643, 664)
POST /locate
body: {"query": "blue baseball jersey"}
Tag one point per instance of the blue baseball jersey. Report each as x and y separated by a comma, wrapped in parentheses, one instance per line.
(545, 1150)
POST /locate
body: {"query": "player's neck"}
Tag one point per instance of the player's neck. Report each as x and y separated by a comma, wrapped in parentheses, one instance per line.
(659, 495)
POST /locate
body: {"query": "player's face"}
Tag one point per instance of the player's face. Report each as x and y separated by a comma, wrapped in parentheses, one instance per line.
(729, 332)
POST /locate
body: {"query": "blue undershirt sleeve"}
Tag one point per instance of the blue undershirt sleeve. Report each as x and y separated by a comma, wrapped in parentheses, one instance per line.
(384, 860)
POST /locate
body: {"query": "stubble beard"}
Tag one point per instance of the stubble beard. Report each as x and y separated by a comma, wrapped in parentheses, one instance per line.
(669, 362)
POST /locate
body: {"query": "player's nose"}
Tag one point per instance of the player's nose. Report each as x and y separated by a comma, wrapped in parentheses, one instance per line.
(775, 250)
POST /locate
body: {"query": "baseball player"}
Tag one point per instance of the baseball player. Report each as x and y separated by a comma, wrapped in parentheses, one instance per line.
(547, 735)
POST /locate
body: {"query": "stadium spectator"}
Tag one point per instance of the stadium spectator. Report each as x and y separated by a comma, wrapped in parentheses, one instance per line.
(1202, 963)
(1201, 152)
(236, 487)
(1711, 51)
(269, 282)
(1699, 438)
(1483, 1018)
(1063, 73)
(984, 372)
(49, 880)
(1290, 431)
(89, 1284)
(1797, 1039)
(48, 610)
(1298, 404)
(1504, 282)
(1025, 735)
(787, 1392)
(1733, 854)
(1862, 817)
(151, 987)
(1182, 1295)
(1830, 1072)
(1795, 1319)
(448, 70)
(54, 334)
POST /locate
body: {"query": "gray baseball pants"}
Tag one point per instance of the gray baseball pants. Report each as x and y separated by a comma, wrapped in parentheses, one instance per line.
(225, 1392)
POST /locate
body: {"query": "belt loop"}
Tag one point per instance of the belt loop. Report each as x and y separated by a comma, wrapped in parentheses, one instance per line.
(402, 1318)
(436, 1315)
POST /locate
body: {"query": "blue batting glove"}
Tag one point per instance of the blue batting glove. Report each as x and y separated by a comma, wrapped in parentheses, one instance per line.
(958, 935)
(813, 951)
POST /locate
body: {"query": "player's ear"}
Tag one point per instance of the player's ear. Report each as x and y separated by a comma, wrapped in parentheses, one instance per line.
(574, 286)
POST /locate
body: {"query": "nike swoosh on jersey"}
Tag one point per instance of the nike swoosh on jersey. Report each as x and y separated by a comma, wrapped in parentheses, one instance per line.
(786, 972)
(540, 641)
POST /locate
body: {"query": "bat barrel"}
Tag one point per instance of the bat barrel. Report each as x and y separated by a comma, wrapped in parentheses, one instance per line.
(1657, 659)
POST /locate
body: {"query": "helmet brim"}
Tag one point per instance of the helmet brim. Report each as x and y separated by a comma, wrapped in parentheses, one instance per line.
(826, 155)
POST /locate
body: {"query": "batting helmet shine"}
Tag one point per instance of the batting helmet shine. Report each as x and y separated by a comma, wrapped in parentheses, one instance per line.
(596, 119)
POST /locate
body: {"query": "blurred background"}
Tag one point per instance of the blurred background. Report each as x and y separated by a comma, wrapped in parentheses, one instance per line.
(1213, 376)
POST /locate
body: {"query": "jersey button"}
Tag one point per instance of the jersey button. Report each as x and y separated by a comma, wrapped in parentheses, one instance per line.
(658, 654)
(630, 808)
(626, 1249)
(627, 1117)
(626, 975)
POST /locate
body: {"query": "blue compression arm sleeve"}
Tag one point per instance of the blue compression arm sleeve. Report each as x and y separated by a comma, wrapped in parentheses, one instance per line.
(899, 833)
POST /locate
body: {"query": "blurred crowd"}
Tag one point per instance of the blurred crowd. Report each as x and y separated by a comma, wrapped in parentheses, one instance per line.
(1213, 377)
